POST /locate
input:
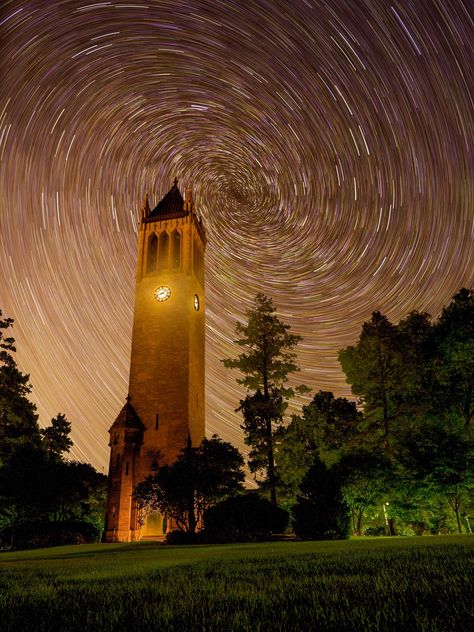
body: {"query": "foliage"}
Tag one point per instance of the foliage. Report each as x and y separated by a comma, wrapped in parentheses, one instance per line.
(265, 365)
(260, 415)
(36, 534)
(442, 459)
(415, 381)
(18, 418)
(26, 480)
(379, 584)
(327, 426)
(56, 440)
(320, 512)
(33, 486)
(244, 518)
(364, 476)
(374, 368)
(453, 373)
(36, 482)
(198, 478)
(179, 537)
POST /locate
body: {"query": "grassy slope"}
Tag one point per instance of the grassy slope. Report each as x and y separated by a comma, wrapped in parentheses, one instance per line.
(378, 584)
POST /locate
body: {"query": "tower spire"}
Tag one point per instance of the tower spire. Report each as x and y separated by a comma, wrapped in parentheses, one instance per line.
(145, 209)
(189, 202)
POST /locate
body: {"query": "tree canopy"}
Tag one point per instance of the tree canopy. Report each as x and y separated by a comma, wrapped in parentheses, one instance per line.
(36, 481)
(197, 479)
(415, 383)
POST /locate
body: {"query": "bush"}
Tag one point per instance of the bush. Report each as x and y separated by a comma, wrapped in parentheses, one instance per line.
(183, 537)
(36, 534)
(244, 518)
(320, 512)
(373, 530)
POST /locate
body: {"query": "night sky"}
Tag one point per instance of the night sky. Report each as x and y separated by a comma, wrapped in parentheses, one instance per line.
(328, 144)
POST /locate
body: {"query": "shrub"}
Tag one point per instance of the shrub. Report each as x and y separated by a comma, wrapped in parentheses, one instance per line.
(375, 530)
(36, 534)
(320, 512)
(244, 518)
(183, 537)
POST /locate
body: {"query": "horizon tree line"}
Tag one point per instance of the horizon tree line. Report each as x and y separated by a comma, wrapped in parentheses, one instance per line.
(405, 445)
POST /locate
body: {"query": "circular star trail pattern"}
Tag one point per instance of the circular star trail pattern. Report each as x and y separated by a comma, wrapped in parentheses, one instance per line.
(328, 144)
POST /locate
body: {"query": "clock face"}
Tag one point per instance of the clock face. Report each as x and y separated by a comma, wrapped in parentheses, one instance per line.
(162, 293)
(196, 302)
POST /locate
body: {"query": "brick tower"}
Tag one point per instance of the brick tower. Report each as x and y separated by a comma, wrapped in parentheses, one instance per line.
(165, 402)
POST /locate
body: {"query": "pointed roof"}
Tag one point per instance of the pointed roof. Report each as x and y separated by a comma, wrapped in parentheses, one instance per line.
(171, 204)
(128, 418)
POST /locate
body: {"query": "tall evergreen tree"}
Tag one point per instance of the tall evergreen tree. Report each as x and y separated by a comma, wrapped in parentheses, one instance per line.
(56, 438)
(18, 418)
(454, 368)
(373, 368)
(268, 360)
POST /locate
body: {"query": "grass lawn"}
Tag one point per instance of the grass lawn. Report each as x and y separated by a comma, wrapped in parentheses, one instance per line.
(367, 584)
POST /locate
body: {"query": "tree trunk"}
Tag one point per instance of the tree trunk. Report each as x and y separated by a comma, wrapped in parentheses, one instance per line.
(271, 464)
(191, 517)
(458, 519)
(271, 458)
(392, 527)
(360, 516)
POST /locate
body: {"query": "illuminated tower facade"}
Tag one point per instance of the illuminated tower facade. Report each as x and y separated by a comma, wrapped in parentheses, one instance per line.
(165, 403)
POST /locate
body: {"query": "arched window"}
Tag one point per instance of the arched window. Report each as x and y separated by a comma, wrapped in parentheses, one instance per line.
(176, 250)
(152, 253)
(198, 263)
(164, 250)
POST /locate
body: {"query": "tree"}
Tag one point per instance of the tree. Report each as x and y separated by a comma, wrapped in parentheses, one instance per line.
(242, 518)
(198, 478)
(389, 369)
(35, 487)
(454, 366)
(320, 512)
(18, 418)
(79, 491)
(265, 365)
(327, 426)
(36, 483)
(373, 368)
(56, 438)
(26, 490)
(441, 460)
(364, 476)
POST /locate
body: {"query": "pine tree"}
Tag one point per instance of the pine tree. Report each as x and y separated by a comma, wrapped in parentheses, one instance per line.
(265, 365)
(56, 438)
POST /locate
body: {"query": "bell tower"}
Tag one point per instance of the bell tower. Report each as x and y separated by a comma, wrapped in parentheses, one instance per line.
(165, 402)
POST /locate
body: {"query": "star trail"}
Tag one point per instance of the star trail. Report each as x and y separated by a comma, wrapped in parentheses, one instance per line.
(328, 145)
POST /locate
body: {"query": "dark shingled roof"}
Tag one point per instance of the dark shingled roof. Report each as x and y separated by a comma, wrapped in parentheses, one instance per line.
(128, 418)
(171, 204)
